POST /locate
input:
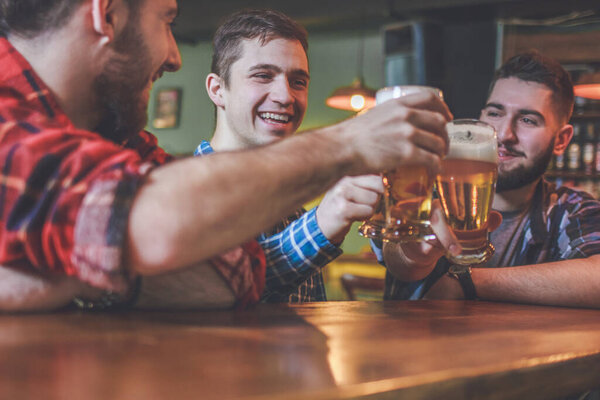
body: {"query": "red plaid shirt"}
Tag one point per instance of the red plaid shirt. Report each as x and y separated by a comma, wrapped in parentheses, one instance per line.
(65, 193)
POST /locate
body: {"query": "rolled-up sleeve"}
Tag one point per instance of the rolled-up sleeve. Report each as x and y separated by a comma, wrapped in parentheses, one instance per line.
(68, 211)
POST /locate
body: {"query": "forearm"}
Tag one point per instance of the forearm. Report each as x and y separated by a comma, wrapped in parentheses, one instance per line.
(403, 267)
(195, 287)
(574, 283)
(24, 292)
(216, 193)
(296, 253)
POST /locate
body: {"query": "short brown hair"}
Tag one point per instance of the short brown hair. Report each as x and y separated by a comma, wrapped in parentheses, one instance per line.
(534, 67)
(29, 18)
(250, 24)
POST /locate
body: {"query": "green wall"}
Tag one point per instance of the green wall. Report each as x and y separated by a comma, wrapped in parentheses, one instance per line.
(333, 63)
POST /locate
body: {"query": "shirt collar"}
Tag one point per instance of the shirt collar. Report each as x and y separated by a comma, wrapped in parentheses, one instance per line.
(203, 149)
(18, 74)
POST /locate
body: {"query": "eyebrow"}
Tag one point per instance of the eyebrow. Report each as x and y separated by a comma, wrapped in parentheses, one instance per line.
(173, 12)
(522, 111)
(275, 68)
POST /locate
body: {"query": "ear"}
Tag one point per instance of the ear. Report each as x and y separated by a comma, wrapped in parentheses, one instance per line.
(563, 137)
(215, 87)
(104, 19)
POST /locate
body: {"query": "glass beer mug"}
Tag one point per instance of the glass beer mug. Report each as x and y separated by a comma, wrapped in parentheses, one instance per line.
(404, 211)
(466, 186)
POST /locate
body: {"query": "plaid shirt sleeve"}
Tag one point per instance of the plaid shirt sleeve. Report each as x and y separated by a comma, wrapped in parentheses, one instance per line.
(64, 201)
(579, 232)
(296, 253)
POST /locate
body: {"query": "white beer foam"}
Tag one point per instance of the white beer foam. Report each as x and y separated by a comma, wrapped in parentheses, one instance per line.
(472, 142)
(393, 92)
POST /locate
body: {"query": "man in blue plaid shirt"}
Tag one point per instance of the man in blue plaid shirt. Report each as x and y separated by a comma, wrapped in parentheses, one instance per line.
(548, 245)
(259, 85)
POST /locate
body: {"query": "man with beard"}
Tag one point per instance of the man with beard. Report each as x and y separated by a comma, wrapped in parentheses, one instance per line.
(548, 243)
(89, 203)
(259, 85)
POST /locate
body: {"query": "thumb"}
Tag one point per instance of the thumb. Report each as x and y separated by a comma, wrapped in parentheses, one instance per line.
(494, 220)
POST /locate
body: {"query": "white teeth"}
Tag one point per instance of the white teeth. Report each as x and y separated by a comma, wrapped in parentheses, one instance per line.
(276, 117)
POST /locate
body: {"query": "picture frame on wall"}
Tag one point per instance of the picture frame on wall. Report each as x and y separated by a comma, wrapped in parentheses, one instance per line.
(167, 108)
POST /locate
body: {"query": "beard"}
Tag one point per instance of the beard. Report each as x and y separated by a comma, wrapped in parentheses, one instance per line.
(524, 175)
(120, 86)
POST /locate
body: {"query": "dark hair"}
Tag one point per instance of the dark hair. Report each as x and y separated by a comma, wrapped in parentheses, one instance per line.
(29, 18)
(250, 24)
(534, 67)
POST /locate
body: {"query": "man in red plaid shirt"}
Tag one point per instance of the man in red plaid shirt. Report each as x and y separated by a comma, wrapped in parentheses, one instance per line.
(89, 203)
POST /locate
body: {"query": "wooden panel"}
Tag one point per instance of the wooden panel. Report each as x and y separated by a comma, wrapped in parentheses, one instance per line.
(568, 48)
(416, 350)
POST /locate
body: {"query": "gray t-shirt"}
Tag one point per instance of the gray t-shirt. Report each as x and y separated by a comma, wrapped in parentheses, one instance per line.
(507, 237)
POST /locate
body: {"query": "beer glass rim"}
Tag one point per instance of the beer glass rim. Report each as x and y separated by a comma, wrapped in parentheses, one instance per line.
(471, 121)
(392, 88)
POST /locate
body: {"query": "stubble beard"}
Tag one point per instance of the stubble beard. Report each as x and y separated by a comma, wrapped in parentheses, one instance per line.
(524, 175)
(120, 87)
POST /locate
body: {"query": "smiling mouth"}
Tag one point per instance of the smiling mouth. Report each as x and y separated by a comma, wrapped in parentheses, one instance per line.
(276, 118)
(510, 153)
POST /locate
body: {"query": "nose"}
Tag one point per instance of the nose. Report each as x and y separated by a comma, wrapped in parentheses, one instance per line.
(173, 62)
(281, 92)
(506, 131)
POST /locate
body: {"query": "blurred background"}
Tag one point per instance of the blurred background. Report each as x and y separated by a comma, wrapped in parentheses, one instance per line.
(452, 44)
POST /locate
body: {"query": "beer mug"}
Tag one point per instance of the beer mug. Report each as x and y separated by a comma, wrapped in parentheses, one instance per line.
(466, 186)
(405, 208)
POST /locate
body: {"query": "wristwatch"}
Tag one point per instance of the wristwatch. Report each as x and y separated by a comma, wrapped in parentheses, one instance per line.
(462, 273)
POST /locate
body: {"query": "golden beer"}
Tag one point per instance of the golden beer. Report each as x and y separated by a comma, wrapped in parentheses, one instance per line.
(404, 211)
(408, 204)
(466, 187)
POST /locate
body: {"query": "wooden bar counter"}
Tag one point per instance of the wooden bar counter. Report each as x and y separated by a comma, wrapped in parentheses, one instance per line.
(379, 350)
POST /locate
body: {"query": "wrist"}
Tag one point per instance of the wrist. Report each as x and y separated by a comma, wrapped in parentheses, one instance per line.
(404, 267)
(462, 274)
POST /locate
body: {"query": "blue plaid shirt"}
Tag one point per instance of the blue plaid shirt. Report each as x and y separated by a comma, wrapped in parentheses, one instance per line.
(562, 224)
(296, 251)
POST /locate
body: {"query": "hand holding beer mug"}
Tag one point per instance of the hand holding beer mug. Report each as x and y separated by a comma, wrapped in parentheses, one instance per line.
(404, 212)
(466, 187)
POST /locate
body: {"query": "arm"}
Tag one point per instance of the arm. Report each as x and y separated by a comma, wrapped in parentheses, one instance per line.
(195, 287)
(22, 291)
(572, 283)
(310, 242)
(161, 238)
(295, 254)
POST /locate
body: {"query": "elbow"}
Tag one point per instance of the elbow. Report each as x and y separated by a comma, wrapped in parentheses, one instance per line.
(149, 258)
(23, 292)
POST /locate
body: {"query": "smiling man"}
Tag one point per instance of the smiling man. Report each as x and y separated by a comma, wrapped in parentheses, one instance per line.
(89, 203)
(548, 245)
(259, 85)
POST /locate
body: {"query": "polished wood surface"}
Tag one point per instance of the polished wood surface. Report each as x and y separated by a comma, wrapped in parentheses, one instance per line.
(407, 350)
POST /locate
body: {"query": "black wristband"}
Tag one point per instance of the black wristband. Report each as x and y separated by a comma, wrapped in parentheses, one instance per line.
(462, 274)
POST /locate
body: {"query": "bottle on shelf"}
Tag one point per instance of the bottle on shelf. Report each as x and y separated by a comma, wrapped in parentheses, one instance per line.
(589, 149)
(559, 162)
(574, 150)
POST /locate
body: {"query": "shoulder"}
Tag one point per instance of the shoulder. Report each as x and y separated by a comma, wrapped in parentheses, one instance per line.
(568, 207)
(570, 199)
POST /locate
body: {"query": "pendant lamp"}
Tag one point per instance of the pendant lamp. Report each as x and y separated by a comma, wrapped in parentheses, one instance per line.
(588, 86)
(357, 96)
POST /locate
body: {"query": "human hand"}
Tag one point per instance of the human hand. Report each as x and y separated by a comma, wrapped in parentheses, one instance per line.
(409, 130)
(415, 260)
(351, 199)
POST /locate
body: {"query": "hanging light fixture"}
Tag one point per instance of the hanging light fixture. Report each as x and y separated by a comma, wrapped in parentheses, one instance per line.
(357, 96)
(588, 86)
